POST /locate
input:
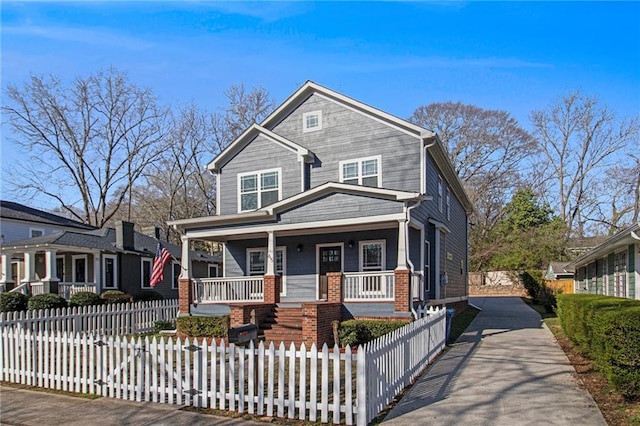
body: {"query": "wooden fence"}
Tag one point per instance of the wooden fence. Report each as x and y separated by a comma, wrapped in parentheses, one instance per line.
(329, 386)
(112, 319)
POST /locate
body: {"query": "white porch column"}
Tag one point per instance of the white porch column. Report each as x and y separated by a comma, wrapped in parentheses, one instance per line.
(185, 261)
(51, 274)
(97, 271)
(271, 254)
(29, 266)
(402, 244)
(5, 275)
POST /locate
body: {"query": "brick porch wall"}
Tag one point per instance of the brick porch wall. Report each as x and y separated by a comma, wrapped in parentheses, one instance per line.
(272, 288)
(241, 314)
(185, 298)
(334, 287)
(317, 319)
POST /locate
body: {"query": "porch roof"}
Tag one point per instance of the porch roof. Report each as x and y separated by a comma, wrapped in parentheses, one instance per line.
(269, 212)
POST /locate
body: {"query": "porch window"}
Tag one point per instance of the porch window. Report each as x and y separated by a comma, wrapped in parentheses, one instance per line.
(60, 268)
(80, 269)
(16, 271)
(256, 263)
(145, 273)
(109, 271)
(175, 270)
(372, 255)
(361, 171)
(258, 189)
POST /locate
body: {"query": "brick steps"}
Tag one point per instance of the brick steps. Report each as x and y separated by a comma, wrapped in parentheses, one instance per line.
(283, 325)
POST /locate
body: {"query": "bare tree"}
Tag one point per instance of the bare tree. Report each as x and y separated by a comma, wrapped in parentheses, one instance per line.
(488, 149)
(579, 139)
(89, 141)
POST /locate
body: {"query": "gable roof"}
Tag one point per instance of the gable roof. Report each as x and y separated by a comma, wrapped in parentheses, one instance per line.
(17, 211)
(249, 135)
(269, 212)
(629, 235)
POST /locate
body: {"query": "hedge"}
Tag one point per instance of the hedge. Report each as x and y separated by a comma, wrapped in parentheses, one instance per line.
(608, 329)
(15, 301)
(46, 301)
(200, 326)
(84, 298)
(359, 332)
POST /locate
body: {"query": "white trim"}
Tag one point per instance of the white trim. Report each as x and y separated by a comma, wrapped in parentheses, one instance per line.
(341, 245)
(86, 267)
(448, 202)
(359, 161)
(383, 242)
(115, 271)
(258, 174)
(283, 273)
(31, 229)
(144, 260)
(174, 279)
(218, 193)
(217, 268)
(305, 127)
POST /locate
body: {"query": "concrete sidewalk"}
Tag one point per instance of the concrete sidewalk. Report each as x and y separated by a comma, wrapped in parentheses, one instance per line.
(27, 407)
(506, 369)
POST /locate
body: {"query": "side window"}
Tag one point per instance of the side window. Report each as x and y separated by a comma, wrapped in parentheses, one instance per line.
(258, 189)
(372, 255)
(448, 204)
(361, 171)
(439, 194)
(311, 121)
(145, 273)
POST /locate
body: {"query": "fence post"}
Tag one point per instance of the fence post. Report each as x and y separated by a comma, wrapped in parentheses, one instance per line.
(361, 386)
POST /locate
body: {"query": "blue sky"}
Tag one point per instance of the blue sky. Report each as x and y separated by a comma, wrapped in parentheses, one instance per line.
(395, 56)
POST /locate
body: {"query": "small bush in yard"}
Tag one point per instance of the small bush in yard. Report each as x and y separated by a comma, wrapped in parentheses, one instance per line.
(200, 326)
(46, 301)
(10, 302)
(358, 332)
(85, 298)
(149, 295)
(163, 325)
(115, 296)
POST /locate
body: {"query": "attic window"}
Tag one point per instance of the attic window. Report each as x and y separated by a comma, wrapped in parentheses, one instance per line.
(311, 121)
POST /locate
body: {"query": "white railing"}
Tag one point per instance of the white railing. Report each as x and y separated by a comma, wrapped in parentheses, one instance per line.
(67, 289)
(112, 319)
(228, 290)
(22, 288)
(417, 286)
(3, 287)
(37, 288)
(360, 286)
(320, 386)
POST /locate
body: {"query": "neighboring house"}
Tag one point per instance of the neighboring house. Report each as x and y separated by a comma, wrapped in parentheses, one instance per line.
(611, 268)
(559, 278)
(95, 260)
(330, 209)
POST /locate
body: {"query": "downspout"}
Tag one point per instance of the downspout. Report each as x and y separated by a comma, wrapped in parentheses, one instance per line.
(407, 212)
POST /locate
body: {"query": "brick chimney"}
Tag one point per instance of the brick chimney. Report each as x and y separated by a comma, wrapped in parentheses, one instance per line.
(124, 235)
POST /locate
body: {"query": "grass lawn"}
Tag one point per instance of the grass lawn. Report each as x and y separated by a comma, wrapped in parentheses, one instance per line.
(614, 408)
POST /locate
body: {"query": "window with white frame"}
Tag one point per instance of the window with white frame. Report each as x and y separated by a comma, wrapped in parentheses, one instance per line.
(361, 171)
(620, 274)
(440, 194)
(311, 121)
(109, 271)
(175, 274)
(36, 232)
(79, 270)
(256, 263)
(213, 270)
(372, 255)
(60, 273)
(258, 189)
(145, 273)
(448, 200)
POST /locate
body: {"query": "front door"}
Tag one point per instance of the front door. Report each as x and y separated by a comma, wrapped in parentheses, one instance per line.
(329, 260)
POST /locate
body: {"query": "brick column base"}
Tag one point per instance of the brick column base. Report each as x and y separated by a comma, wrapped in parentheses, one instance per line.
(402, 280)
(185, 296)
(334, 287)
(272, 288)
(317, 322)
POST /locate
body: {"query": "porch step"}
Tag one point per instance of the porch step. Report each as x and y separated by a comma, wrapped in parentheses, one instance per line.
(283, 325)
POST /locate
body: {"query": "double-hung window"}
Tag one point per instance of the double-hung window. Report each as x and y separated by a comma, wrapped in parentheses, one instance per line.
(258, 189)
(372, 259)
(439, 194)
(145, 273)
(361, 171)
(256, 263)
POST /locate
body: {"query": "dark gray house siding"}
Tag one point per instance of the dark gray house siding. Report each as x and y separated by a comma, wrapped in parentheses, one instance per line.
(347, 135)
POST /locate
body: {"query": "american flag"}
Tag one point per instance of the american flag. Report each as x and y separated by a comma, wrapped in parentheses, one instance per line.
(162, 256)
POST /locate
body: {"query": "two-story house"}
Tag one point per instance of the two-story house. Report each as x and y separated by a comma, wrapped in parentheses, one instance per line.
(330, 209)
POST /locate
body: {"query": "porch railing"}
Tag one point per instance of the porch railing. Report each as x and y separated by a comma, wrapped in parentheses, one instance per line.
(37, 288)
(68, 289)
(359, 286)
(228, 290)
(22, 288)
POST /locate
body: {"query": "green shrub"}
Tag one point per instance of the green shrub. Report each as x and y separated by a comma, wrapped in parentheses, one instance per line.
(10, 302)
(84, 298)
(46, 301)
(149, 295)
(358, 332)
(200, 326)
(608, 329)
(115, 296)
(163, 325)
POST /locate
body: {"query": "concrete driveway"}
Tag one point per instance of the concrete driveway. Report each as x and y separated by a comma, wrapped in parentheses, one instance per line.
(506, 369)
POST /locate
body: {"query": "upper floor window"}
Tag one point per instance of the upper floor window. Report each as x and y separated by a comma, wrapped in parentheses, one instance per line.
(440, 194)
(36, 232)
(311, 121)
(448, 204)
(361, 171)
(258, 189)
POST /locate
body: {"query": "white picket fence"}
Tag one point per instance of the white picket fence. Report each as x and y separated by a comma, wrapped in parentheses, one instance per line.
(113, 319)
(307, 384)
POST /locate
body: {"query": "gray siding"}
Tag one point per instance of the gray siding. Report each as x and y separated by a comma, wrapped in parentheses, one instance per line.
(260, 154)
(347, 135)
(340, 206)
